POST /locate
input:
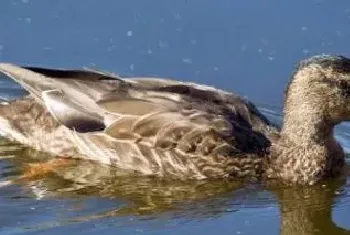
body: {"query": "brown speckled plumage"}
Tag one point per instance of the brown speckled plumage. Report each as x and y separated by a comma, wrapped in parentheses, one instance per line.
(184, 130)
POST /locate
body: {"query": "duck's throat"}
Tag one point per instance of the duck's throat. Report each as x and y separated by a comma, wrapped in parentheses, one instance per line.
(307, 129)
(306, 151)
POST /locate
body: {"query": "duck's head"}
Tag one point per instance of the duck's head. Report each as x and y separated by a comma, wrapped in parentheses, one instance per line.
(319, 91)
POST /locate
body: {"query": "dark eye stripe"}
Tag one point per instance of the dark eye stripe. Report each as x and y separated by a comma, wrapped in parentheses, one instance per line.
(341, 84)
(344, 86)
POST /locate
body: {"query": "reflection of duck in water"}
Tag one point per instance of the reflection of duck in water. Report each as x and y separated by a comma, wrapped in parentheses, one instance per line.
(308, 210)
(170, 128)
(303, 210)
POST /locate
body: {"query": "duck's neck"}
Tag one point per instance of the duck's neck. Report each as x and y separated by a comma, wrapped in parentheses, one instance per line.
(306, 119)
(307, 126)
(306, 151)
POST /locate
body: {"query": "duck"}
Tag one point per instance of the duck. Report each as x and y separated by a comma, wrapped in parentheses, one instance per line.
(167, 128)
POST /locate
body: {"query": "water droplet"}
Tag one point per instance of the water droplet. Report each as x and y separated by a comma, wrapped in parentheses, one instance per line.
(28, 20)
(177, 16)
(129, 33)
(111, 48)
(163, 44)
(304, 28)
(132, 67)
(306, 51)
(187, 60)
(243, 47)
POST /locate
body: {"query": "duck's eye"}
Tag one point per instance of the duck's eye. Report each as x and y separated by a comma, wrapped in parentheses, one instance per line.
(343, 84)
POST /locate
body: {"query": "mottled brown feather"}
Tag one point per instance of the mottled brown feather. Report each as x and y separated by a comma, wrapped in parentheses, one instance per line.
(184, 130)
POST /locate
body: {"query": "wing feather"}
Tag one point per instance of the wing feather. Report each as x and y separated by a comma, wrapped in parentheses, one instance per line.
(70, 114)
(166, 113)
(130, 106)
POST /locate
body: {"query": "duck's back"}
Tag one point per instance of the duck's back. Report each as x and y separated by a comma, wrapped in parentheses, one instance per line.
(153, 126)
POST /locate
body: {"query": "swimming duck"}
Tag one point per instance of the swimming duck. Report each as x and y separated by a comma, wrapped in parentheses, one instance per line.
(168, 128)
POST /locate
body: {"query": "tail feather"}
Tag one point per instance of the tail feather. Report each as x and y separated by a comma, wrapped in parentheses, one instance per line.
(76, 93)
(33, 82)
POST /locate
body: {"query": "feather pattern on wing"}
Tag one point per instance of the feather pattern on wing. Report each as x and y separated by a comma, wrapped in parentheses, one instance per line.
(149, 125)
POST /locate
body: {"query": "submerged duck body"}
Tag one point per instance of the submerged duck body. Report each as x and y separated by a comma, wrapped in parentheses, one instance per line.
(175, 129)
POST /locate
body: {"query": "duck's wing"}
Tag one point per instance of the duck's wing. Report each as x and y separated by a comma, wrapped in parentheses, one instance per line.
(236, 123)
(69, 95)
(159, 112)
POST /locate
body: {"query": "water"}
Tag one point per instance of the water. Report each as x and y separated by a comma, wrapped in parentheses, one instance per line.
(249, 47)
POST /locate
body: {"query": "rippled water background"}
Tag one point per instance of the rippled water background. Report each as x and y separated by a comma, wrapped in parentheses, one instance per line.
(249, 47)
